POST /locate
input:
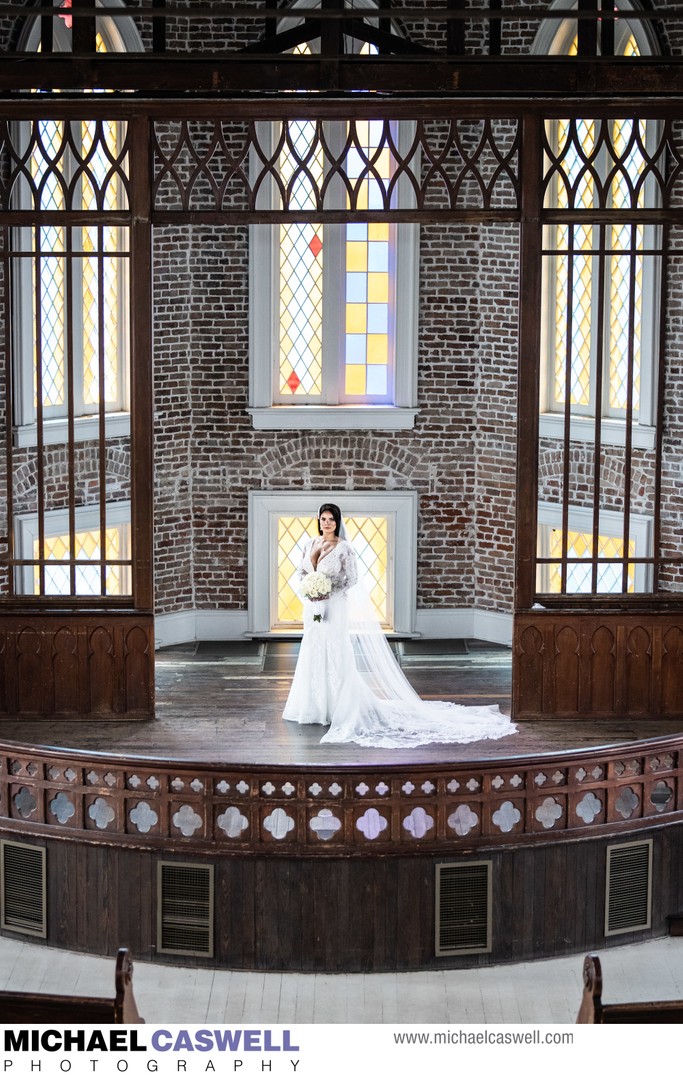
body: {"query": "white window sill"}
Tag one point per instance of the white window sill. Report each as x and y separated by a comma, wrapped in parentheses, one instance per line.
(612, 430)
(345, 417)
(86, 428)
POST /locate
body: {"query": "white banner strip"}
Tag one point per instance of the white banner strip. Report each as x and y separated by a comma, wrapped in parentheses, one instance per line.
(322, 1049)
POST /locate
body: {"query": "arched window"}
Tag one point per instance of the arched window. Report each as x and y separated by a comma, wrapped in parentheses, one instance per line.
(601, 308)
(600, 280)
(70, 337)
(333, 306)
(70, 283)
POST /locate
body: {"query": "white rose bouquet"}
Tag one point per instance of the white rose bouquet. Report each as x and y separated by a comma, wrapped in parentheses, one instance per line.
(316, 586)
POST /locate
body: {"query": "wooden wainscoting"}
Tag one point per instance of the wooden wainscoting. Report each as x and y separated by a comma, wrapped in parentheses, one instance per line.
(77, 664)
(597, 664)
(369, 914)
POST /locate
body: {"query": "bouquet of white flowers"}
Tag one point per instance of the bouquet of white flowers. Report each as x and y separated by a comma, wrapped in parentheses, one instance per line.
(315, 586)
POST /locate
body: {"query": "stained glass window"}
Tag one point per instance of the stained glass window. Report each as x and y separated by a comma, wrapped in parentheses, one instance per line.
(369, 268)
(336, 284)
(97, 283)
(88, 577)
(580, 576)
(589, 151)
(75, 301)
(369, 536)
(292, 535)
(301, 267)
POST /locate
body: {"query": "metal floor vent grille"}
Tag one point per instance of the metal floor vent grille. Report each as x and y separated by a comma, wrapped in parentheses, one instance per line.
(185, 909)
(628, 898)
(22, 887)
(463, 908)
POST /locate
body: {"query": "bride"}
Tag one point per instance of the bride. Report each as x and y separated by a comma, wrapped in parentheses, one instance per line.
(347, 677)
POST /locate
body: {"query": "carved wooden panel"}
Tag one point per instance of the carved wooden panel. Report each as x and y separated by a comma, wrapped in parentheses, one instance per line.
(672, 668)
(249, 811)
(77, 665)
(64, 161)
(597, 665)
(453, 165)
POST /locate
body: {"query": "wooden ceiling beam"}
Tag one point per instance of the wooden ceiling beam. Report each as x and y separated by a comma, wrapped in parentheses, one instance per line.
(385, 42)
(284, 40)
(233, 74)
(244, 108)
(429, 12)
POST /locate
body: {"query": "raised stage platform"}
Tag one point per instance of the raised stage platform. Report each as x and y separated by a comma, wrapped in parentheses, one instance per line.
(222, 703)
(328, 857)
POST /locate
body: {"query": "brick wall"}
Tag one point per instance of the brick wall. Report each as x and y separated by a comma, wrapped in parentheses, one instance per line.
(460, 458)
(173, 408)
(496, 417)
(672, 454)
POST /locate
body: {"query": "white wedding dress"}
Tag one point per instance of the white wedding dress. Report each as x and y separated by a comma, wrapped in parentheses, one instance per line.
(347, 677)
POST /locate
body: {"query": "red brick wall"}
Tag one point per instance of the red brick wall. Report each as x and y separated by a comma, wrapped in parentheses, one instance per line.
(460, 458)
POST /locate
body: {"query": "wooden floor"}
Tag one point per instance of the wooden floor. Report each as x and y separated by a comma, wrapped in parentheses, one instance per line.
(543, 992)
(223, 702)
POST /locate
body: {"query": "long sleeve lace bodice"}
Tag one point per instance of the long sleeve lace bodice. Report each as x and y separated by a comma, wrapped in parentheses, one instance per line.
(339, 565)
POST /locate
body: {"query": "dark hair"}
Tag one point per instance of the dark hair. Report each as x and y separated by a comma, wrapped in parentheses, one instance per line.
(336, 512)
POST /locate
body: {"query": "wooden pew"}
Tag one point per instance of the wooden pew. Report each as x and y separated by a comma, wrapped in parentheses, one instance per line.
(593, 1011)
(19, 1007)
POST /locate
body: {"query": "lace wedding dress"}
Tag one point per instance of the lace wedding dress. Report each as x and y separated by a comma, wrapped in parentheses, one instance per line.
(347, 677)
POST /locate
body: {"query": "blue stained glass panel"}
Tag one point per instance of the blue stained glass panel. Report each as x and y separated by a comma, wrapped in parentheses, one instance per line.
(354, 164)
(378, 257)
(356, 288)
(378, 317)
(356, 345)
(377, 381)
(357, 233)
(375, 195)
(376, 129)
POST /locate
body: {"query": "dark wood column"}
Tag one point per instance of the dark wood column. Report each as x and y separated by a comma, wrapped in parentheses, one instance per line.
(142, 404)
(598, 650)
(76, 651)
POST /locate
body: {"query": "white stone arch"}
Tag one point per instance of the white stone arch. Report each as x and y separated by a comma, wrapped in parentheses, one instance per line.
(119, 34)
(554, 36)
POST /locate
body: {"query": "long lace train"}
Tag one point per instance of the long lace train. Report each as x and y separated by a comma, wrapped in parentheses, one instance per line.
(347, 677)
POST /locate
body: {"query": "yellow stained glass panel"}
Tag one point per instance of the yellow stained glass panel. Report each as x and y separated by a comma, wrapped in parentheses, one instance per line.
(355, 380)
(356, 318)
(369, 537)
(579, 576)
(631, 48)
(293, 533)
(378, 349)
(378, 233)
(356, 257)
(378, 287)
(88, 576)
